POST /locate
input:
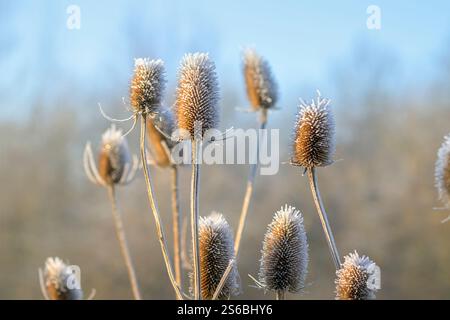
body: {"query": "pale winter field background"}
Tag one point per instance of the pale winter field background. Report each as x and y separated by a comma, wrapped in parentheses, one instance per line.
(391, 97)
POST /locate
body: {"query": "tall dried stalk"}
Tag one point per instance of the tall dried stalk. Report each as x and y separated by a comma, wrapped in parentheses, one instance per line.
(280, 295)
(196, 109)
(313, 147)
(262, 93)
(176, 225)
(323, 217)
(151, 199)
(223, 280)
(116, 166)
(123, 242)
(196, 149)
(249, 190)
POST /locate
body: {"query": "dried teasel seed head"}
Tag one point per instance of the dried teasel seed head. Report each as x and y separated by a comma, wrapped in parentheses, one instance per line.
(262, 89)
(442, 171)
(314, 141)
(284, 261)
(197, 96)
(147, 85)
(60, 281)
(354, 277)
(160, 128)
(216, 250)
(114, 156)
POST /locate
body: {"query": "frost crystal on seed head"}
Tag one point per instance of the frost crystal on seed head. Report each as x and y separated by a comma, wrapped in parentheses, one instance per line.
(147, 85)
(284, 261)
(314, 140)
(262, 89)
(353, 278)
(442, 171)
(197, 94)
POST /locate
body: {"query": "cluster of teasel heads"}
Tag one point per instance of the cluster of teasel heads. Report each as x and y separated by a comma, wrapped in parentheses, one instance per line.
(214, 250)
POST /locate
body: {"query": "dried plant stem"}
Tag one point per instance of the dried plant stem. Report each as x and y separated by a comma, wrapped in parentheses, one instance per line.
(176, 225)
(223, 279)
(195, 217)
(323, 217)
(280, 295)
(249, 190)
(42, 285)
(151, 199)
(123, 243)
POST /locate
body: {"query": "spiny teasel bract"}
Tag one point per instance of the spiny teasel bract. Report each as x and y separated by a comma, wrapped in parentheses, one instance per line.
(442, 171)
(314, 140)
(216, 250)
(114, 156)
(147, 85)
(197, 94)
(262, 89)
(284, 261)
(60, 283)
(160, 128)
(352, 279)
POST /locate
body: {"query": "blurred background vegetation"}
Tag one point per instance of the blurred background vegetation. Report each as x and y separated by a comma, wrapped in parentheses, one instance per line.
(391, 108)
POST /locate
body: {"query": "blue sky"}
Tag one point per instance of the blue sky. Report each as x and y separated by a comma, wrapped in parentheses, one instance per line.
(303, 41)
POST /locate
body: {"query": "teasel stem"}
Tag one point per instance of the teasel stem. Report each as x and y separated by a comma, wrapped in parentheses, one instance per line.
(176, 225)
(196, 148)
(123, 243)
(151, 199)
(249, 190)
(280, 295)
(312, 176)
(223, 280)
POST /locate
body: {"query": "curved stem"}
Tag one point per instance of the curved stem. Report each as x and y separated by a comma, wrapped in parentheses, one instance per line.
(42, 284)
(323, 217)
(195, 217)
(176, 224)
(249, 190)
(123, 243)
(223, 280)
(151, 199)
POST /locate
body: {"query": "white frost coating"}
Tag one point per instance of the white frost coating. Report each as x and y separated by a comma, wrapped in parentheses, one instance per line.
(147, 85)
(358, 278)
(362, 262)
(284, 261)
(314, 134)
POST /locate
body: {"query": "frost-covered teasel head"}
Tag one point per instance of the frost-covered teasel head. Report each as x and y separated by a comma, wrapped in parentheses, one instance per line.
(147, 85)
(216, 250)
(197, 95)
(60, 282)
(114, 156)
(284, 261)
(116, 165)
(442, 171)
(354, 280)
(262, 89)
(314, 138)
